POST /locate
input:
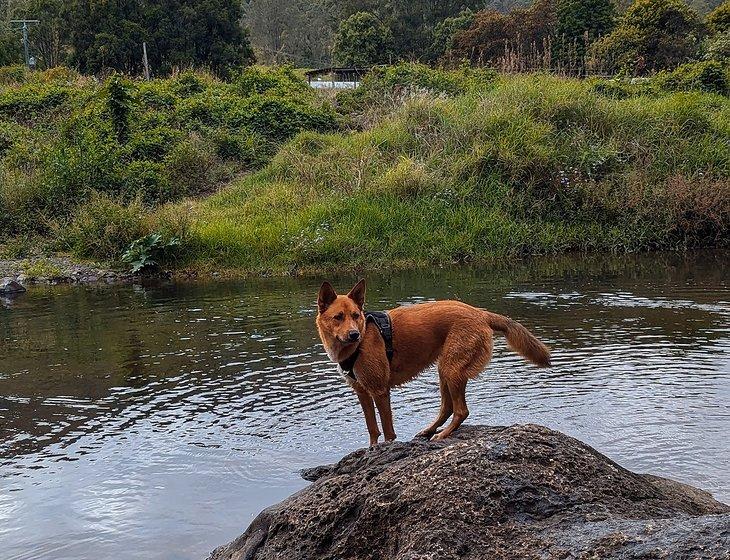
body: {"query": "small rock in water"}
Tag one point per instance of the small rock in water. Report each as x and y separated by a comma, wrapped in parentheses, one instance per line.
(11, 286)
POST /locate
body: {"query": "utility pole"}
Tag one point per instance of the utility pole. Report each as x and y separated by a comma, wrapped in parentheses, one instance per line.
(25, 23)
(145, 62)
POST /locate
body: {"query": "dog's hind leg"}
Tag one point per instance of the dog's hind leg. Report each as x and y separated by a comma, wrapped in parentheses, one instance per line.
(444, 412)
(466, 353)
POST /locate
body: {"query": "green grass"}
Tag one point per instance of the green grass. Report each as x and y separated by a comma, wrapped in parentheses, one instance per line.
(66, 140)
(528, 165)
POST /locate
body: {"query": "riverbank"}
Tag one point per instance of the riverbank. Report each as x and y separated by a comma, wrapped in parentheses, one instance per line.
(418, 167)
(534, 165)
(523, 491)
(60, 269)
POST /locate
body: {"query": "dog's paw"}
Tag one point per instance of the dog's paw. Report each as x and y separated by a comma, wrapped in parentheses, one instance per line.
(423, 434)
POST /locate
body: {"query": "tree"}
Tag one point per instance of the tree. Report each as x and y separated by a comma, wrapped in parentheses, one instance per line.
(412, 24)
(10, 47)
(362, 40)
(49, 38)
(296, 31)
(581, 22)
(446, 30)
(108, 34)
(652, 35)
(493, 35)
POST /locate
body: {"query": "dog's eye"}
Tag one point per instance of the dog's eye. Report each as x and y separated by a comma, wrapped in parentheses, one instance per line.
(356, 316)
(339, 316)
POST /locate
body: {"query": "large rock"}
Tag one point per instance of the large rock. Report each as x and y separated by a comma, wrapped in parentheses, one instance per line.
(488, 493)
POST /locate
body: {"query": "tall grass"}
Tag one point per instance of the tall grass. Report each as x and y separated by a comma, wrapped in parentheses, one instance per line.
(528, 165)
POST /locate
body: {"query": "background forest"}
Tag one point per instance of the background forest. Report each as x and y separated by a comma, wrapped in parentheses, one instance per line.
(602, 36)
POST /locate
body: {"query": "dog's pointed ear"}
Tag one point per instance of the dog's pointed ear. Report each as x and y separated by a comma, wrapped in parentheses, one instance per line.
(357, 294)
(326, 296)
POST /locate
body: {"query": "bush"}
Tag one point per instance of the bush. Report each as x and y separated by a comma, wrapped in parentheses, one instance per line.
(32, 101)
(64, 137)
(710, 76)
(717, 48)
(719, 19)
(146, 252)
(383, 83)
(533, 164)
(103, 227)
(12, 75)
(280, 118)
(278, 80)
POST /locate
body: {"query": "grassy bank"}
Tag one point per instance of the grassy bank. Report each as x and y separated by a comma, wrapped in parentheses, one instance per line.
(82, 159)
(522, 165)
(418, 167)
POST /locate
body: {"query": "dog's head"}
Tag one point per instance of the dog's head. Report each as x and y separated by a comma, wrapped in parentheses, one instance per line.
(340, 319)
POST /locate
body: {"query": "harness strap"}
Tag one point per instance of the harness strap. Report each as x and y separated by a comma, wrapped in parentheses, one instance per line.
(382, 321)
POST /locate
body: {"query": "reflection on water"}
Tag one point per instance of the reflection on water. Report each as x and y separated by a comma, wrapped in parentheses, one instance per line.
(155, 422)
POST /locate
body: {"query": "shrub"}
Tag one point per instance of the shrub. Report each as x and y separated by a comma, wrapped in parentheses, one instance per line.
(717, 48)
(64, 137)
(534, 164)
(719, 19)
(33, 100)
(147, 251)
(189, 167)
(119, 105)
(710, 76)
(382, 84)
(278, 80)
(280, 118)
(12, 75)
(103, 227)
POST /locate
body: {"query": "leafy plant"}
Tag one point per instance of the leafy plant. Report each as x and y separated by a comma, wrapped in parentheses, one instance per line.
(147, 251)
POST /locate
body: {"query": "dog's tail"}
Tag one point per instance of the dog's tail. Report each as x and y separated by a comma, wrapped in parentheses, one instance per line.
(520, 339)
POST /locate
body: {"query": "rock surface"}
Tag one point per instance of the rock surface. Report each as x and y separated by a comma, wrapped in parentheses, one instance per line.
(10, 286)
(487, 493)
(59, 270)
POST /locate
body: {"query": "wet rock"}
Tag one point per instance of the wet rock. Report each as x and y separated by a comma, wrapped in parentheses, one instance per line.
(10, 286)
(60, 270)
(489, 492)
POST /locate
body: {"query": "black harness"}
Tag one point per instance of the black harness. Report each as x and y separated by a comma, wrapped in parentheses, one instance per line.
(382, 321)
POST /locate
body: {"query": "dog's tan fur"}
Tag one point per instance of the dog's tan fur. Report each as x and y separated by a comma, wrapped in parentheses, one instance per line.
(453, 334)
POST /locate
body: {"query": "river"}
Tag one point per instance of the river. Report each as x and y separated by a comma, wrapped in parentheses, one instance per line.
(153, 422)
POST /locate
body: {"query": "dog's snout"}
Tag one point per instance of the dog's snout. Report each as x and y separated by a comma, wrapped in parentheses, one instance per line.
(354, 335)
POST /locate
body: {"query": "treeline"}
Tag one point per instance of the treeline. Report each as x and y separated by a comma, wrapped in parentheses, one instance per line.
(101, 35)
(566, 36)
(571, 36)
(314, 32)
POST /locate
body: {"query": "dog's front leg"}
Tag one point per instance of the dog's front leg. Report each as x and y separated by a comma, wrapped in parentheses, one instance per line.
(382, 401)
(368, 409)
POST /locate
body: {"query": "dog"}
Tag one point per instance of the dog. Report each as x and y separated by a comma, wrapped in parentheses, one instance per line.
(453, 334)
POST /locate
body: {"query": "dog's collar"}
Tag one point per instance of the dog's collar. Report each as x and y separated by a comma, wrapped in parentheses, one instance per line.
(385, 327)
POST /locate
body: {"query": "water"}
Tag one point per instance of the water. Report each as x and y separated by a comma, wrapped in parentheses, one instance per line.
(155, 422)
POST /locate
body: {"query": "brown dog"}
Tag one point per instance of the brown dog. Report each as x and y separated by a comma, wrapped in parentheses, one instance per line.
(454, 334)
